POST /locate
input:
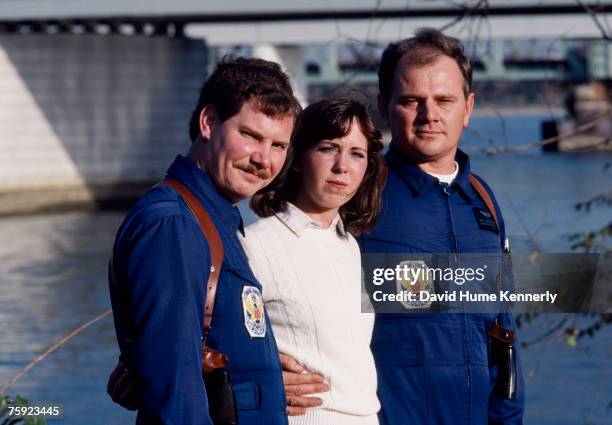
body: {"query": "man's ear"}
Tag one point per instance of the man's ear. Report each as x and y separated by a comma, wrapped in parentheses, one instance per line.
(208, 119)
(469, 108)
(383, 108)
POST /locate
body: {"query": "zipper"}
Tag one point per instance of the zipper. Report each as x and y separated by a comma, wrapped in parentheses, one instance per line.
(465, 316)
(452, 223)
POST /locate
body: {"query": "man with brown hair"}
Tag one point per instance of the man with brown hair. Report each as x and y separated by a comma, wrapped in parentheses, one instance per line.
(162, 260)
(434, 368)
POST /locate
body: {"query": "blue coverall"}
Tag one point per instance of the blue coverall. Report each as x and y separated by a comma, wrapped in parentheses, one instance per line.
(161, 266)
(433, 369)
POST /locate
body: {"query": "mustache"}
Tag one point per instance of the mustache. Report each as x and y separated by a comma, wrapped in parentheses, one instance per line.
(427, 127)
(262, 173)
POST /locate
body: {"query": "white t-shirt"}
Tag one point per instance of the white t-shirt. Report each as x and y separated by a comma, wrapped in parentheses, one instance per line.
(311, 280)
(447, 178)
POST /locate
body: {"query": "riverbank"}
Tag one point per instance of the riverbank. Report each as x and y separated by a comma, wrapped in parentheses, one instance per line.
(71, 197)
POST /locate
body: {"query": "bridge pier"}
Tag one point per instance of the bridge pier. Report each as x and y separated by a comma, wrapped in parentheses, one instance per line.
(84, 119)
(291, 59)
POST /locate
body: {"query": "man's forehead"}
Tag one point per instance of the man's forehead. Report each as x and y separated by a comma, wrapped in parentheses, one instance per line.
(257, 118)
(439, 69)
(406, 63)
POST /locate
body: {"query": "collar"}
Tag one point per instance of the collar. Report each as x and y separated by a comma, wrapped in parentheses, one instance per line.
(447, 178)
(419, 181)
(298, 221)
(203, 187)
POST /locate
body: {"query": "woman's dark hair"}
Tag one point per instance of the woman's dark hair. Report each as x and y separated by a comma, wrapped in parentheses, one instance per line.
(329, 119)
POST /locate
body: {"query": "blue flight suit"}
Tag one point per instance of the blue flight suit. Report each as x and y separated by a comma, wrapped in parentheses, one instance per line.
(161, 266)
(433, 368)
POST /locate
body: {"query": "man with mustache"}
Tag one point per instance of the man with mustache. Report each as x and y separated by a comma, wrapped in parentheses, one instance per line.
(162, 260)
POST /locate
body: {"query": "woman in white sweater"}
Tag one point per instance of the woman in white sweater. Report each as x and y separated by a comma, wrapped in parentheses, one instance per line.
(308, 263)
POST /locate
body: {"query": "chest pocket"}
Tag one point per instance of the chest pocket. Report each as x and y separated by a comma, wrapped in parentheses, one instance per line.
(475, 228)
(485, 219)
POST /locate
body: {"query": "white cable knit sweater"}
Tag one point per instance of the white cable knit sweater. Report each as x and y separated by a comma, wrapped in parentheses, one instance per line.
(311, 279)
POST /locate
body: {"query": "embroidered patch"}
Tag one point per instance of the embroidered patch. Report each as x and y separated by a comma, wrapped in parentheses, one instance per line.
(485, 219)
(414, 281)
(253, 309)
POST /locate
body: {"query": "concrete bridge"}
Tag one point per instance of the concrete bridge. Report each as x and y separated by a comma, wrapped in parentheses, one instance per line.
(278, 29)
(239, 21)
(96, 96)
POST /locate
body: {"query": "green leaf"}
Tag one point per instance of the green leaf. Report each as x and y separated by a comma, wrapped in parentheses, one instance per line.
(3, 406)
(20, 401)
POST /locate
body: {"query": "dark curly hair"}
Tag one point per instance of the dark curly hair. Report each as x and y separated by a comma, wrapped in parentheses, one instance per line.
(238, 80)
(328, 119)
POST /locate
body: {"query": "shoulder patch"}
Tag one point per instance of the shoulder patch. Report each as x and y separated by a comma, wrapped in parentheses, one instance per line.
(254, 314)
(417, 280)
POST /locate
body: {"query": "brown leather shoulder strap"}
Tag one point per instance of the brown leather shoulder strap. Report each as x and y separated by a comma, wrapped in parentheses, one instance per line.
(484, 195)
(214, 242)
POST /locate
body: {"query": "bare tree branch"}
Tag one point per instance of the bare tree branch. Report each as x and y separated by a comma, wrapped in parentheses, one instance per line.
(467, 11)
(543, 142)
(530, 235)
(54, 347)
(595, 18)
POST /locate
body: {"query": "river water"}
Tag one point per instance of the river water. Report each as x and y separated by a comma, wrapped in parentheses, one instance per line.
(53, 277)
